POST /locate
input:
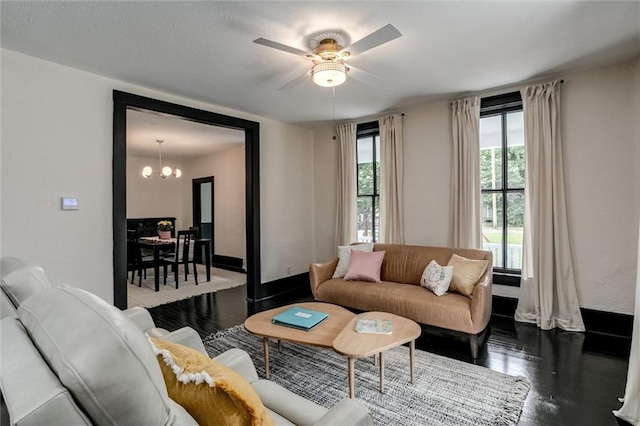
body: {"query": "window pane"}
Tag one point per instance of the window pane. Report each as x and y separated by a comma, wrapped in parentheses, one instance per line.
(515, 225)
(491, 152)
(365, 166)
(492, 226)
(365, 149)
(515, 150)
(365, 221)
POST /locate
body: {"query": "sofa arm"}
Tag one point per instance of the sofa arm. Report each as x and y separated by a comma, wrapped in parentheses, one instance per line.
(321, 272)
(240, 362)
(347, 412)
(141, 317)
(481, 301)
(186, 336)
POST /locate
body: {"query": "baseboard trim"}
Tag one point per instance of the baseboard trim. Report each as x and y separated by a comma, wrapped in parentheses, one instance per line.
(299, 284)
(598, 322)
(228, 262)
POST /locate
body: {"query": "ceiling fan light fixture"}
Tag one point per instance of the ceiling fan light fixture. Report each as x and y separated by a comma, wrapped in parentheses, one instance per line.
(329, 73)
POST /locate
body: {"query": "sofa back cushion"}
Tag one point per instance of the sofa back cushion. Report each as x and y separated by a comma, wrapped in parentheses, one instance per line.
(32, 392)
(20, 279)
(104, 360)
(405, 263)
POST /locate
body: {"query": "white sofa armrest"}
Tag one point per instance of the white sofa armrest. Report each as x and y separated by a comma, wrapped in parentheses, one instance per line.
(186, 336)
(347, 412)
(240, 362)
(141, 317)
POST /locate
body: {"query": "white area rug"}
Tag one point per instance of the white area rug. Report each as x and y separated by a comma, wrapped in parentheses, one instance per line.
(147, 297)
(446, 392)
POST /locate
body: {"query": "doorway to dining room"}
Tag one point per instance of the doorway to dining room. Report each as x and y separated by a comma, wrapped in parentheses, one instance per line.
(239, 152)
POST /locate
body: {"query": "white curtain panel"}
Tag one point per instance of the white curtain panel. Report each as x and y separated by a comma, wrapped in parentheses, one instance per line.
(466, 228)
(630, 411)
(391, 179)
(346, 231)
(548, 294)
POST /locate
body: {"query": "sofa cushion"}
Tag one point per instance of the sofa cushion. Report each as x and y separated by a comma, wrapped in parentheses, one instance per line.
(101, 357)
(405, 264)
(365, 266)
(466, 273)
(32, 392)
(20, 279)
(451, 311)
(212, 393)
(436, 278)
(344, 256)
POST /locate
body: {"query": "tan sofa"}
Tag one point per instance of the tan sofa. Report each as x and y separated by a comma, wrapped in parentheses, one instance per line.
(400, 291)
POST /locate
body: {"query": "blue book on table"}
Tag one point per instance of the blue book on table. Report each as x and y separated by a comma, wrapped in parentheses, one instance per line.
(303, 319)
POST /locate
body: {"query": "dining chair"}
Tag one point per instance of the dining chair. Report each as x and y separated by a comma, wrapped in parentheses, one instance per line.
(183, 255)
(135, 260)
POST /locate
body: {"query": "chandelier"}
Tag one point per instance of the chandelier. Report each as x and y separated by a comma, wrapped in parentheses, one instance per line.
(165, 171)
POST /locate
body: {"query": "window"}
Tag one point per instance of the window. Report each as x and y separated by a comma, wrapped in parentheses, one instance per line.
(502, 167)
(368, 168)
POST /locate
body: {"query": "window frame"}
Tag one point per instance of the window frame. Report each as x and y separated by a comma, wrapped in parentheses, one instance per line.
(365, 130)
(501, 105)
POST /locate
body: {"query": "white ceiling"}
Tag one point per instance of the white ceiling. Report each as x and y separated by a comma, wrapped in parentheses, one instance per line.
(181, 138)
(204, 50)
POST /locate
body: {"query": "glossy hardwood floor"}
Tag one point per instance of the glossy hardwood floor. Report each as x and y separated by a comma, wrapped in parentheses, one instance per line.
(576, 378)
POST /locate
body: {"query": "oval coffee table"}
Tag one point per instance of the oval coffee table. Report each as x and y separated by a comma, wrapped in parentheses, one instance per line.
(354, 345)
(338, 332)
(321, 335)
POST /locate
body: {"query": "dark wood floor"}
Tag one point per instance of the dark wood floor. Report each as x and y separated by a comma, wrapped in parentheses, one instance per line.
(576, 378)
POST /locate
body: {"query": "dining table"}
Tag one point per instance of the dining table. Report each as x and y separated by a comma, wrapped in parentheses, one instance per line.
(158, 245)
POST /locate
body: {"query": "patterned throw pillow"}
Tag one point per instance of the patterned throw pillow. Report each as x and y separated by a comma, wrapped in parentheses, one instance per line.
(436, 278)
(344, 255)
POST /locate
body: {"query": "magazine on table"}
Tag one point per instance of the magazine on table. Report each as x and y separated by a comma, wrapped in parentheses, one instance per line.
(374, 326)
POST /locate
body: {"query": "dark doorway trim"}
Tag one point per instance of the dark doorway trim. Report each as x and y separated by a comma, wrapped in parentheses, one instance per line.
(123, 101)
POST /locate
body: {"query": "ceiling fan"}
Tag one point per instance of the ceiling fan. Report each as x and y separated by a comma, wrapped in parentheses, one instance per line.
(328, 56)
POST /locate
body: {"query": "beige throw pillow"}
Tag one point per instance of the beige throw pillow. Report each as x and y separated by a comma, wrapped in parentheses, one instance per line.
(466, 273)
(344, 256)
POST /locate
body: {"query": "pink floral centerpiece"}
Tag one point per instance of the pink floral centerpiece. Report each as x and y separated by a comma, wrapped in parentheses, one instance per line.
(164, 229)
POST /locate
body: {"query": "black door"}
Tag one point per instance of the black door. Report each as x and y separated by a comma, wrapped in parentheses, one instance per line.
(203, 212)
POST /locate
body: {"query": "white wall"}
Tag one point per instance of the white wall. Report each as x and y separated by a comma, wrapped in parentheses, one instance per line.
(154, 196)
(287, 228)
(600, 110)
(227, 168)
(57, 141)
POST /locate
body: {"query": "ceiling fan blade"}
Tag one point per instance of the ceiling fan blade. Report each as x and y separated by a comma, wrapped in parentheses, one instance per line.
(296, 81)
(280, 46)
(375, 39)
(363, 76)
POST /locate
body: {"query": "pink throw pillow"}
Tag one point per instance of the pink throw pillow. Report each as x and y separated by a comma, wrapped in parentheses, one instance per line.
(365, 266)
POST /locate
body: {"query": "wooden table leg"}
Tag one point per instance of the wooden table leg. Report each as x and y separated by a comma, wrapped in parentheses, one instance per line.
(412, 348)
(265, 345)
(352, 386)
(207, 261)
(279, 345)
(156, 266)
(381, 372)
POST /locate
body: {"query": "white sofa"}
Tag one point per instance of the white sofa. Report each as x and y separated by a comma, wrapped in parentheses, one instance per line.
(70, 358)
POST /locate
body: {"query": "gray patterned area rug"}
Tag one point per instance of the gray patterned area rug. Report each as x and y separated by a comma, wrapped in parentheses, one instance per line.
(445, 392)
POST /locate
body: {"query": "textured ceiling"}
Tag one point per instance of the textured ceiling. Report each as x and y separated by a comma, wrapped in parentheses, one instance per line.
(205, 50)
(181, 138)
